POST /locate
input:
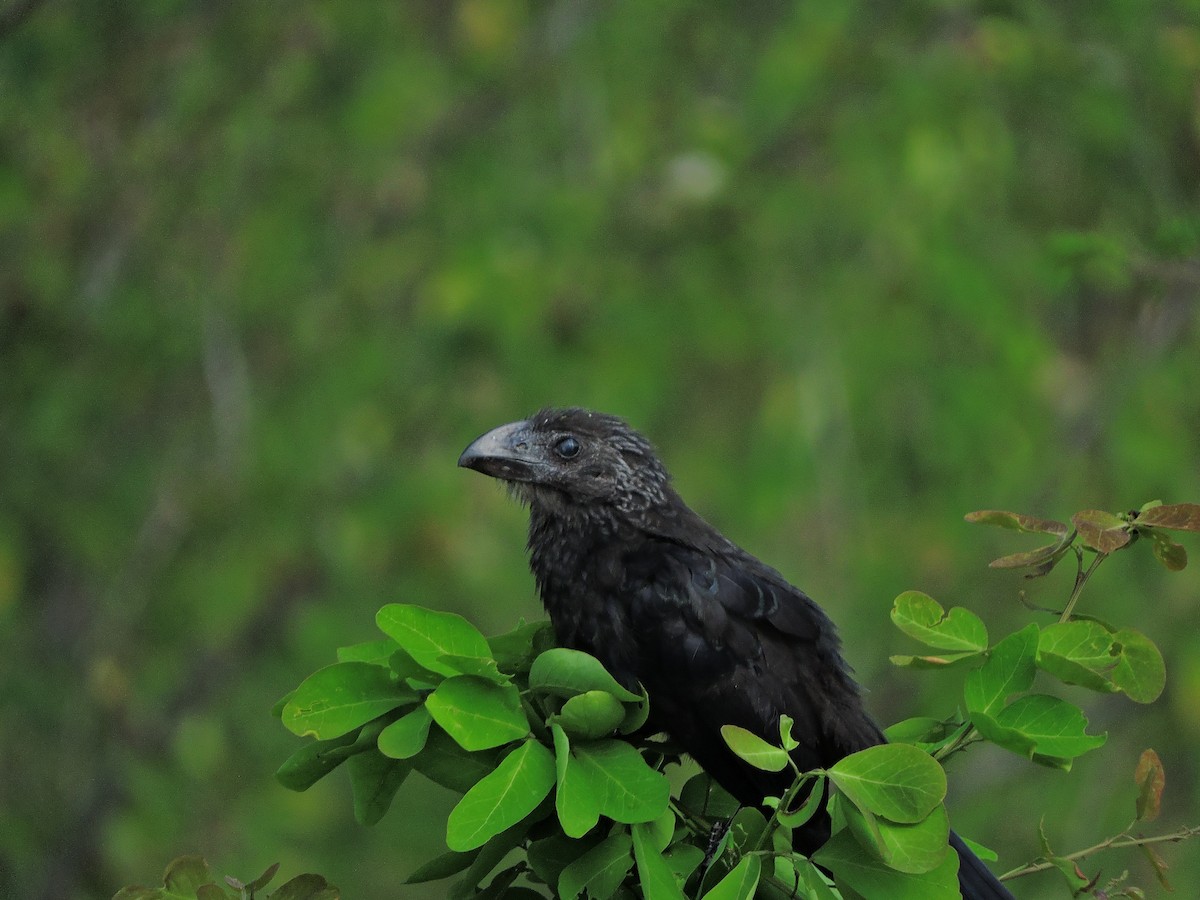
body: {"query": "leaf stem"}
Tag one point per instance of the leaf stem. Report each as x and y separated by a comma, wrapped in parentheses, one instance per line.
(776, 881)
(967, 735)
(784, 805)
(1081, 578)
(1113, 843)
(694, 824)
(537, 720)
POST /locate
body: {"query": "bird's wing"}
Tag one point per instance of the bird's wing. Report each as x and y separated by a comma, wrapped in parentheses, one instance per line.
(743, 585)
(740, 646)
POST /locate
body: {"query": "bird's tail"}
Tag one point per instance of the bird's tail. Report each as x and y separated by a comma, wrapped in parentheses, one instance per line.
(975, 880)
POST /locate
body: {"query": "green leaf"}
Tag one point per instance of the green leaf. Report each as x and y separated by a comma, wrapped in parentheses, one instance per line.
(487, 669)
(186, 874)
(743, 834)
(576, 799)
(442, 866)
(315, 760)
(794, 818)
(702, 796)
(489, 856)
(636, 715)
(1077, 882)
(684, 859)
(1140, 671)
(657, 879)
(918, 730)
(500, 888)
(745, 828)
(1010, 669)
(862, 822)
(137, 892)
(1008, 738)
(940, 661)
(307, 887)
(1056, 727)
(629, 790)
(1176, 516)
(412, 672)
(662, 830)
(429, 635)
(550, 855)
(406, 737)
(594, 714)
(515, 651)
(786, 740)
(1102, 531)
(502, 798)
(280, 704)
(812, 881)
(740, 883)
(444, 762)
(1016, 522)
(985, 853)
(341, 697)
(375, 652)
(896, 781)
(754, 750)
(599, 871)
(264, 879)
(476, 713)
(1077, 652)
(913, 848)
(949, 734)
(920, 616)
(374, 780)
(587, 786)
(869, 877)
(566, 673)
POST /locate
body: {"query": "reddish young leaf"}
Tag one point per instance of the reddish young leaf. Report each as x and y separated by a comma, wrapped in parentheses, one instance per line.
(1038, 557)
(1101, 530)
(1016, 521)
(1151, 779)
(1179, 516)
(1159, 864)
(1169, 553)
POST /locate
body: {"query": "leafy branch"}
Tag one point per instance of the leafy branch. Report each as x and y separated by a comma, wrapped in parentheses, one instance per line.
(547, 751)
(1115, 842)
(190, 878)
(1076, 650)
(1151, 781)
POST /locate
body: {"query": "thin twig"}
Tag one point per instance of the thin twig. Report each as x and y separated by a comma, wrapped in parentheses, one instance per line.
(1113, 843)
(966, 736)
(1081, 578)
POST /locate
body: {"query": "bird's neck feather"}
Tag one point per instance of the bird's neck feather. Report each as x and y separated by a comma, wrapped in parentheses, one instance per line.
(562, 534)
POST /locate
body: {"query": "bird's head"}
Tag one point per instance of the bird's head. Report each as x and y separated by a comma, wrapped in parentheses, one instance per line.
(563, 457)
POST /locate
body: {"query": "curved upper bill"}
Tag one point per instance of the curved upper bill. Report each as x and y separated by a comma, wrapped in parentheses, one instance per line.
(506, 452)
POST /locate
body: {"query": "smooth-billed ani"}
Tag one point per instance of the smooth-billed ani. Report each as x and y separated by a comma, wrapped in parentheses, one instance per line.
(631, 575)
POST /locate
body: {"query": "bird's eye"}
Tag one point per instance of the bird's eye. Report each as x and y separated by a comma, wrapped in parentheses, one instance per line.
(567, 448)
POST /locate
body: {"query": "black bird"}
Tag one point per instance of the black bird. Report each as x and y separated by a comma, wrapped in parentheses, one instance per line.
(631, 575)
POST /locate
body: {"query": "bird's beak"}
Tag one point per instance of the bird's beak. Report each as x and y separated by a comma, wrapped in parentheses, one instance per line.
(507, 452)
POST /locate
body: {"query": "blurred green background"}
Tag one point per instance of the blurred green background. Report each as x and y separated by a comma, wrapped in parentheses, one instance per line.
(857, 268)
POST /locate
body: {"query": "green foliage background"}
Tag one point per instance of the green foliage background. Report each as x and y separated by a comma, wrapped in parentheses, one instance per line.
(857, 268)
